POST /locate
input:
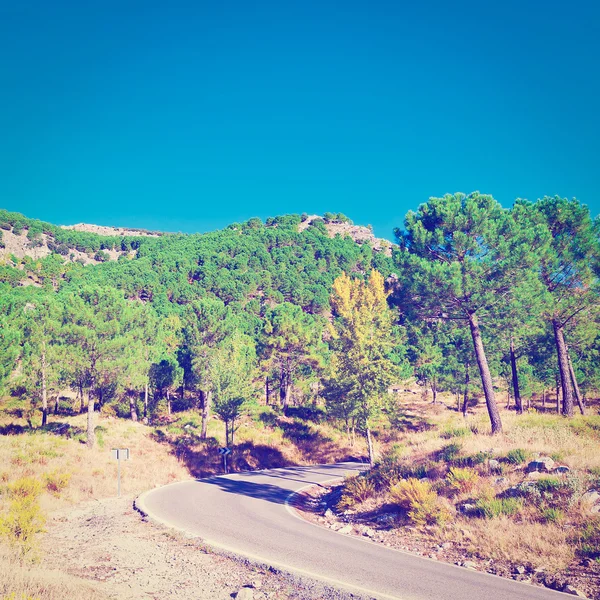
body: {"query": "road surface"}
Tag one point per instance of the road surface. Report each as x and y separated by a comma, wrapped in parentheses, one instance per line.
(249, 514)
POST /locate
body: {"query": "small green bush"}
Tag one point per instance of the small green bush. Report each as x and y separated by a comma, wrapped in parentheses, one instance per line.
(423, 505)
(552, 515)
(56, 482)
(462, 480)
(356, 489)
(451, 432)
(100, 431)
(24, 519)
(490, 508)
(588, 540)
(24, 488)
(549, 484)
(517, 456)
(450, 452)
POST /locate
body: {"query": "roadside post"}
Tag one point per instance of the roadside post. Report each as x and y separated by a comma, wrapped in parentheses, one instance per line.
(224, 452)
(119, 454)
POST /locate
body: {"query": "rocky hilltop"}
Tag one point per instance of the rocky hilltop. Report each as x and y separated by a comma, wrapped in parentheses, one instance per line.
(110, 231)
(358, 233)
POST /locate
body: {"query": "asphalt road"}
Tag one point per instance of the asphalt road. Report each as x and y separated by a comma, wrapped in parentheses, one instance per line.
(248, 514)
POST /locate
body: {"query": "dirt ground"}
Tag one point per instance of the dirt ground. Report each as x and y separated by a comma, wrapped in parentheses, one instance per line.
(109, 543)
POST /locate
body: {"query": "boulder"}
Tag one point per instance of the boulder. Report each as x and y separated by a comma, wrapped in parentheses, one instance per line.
(245, 593)
(369, 532)
(501, 481)
(494, 465)
(345, 529)
(543, 463)
(469, 564)
(520, 570)
(562, 469)
(466, 509)
(569, 589)
(591, 497)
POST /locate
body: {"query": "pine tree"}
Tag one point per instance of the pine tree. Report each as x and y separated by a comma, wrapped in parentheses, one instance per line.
(461, 256)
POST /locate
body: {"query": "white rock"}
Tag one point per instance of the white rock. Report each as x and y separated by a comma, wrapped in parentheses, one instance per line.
(345, 529)
(245, 593)
(569, 589)
(591, 497)
(542, 463)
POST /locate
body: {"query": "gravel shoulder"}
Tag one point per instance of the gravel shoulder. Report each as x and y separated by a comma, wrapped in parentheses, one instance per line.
(110, 543)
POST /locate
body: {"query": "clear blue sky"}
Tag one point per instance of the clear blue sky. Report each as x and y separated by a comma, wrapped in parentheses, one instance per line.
(186, 116)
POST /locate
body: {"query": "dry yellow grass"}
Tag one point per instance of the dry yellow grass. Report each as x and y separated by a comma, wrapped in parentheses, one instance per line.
(27, 582)
(539, 545)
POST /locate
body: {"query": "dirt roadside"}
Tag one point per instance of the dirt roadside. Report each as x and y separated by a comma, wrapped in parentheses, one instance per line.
(109, 543)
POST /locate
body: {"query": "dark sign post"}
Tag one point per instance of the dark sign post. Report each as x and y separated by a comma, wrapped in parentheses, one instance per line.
(224, 452)
(119, 454)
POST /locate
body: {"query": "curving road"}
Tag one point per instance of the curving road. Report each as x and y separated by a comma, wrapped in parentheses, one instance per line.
(248, 514)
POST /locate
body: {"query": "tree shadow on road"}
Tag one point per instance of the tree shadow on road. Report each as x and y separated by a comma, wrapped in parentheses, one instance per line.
(275, 493)
(262, 491)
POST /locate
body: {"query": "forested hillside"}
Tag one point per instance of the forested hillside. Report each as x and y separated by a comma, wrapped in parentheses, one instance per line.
(479, 299)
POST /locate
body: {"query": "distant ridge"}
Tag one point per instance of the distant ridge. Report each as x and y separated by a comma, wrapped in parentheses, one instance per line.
(110, 231)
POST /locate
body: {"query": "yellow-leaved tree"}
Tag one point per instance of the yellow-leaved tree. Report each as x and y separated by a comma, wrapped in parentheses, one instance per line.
(364, 346)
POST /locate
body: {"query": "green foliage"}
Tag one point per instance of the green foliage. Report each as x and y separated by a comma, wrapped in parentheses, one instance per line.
(518, 456)
(490, 508)
(552, 515)
(462, 480)
(423, 505)
(356, 489)
(588, 539)
(450, 452)
(24, 519)
(56, 482)
(451, 432)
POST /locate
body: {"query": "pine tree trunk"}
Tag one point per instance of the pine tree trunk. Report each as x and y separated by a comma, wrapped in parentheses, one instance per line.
(563, 367)
(91, 434)
(81, 399)
(434, 389)
(370, 445)
(44, 390)
(146, 401)
(56, 404)
(486, 377)
(205, 413)
(515, 378)
(575, 385)
(132, 407)
(466, 393)
(267, 390)
(283, 389)
(168, 402)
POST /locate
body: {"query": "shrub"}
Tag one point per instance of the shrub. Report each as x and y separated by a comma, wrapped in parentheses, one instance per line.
(24, 488)
(451, 432)
(517, 456)
(462, 480)
(450, 452)
(423, 505)
(100, 431)
(356, 489)
(56, 482)
(552, 515)
(588, 541)
(549, 484)
(24, 518)
(490, 508)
